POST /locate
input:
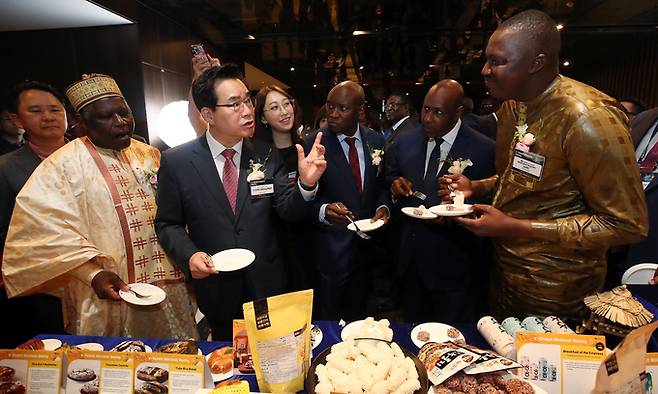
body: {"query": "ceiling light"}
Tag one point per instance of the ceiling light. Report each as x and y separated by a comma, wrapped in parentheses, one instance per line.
(468, 82)
(360, 32)
(249, 37)
(419, 83)
(406, 94)
(361, 68)
(292, 68)
(559, 26)
(315, 86)
(566, 63)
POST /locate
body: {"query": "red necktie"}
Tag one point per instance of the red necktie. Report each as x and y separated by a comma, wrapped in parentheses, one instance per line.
(230, 177)
(354, 162)
(649, 162)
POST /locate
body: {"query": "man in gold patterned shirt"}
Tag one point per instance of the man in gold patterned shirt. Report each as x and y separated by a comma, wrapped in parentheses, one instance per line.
(83, 226)
(567, 186)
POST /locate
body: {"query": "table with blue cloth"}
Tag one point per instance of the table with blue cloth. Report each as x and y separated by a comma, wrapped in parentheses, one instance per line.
(330, 336)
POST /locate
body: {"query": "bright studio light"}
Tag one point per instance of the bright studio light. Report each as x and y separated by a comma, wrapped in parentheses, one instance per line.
(566, 63)
(559, 26)
(173, 126)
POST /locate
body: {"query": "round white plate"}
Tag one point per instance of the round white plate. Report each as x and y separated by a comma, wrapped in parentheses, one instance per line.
(366, 225)
(639, 274)
(316, 336)
(451, 210)
(233, 259)
(90, 346)
(218, 377)
(438, 332)
(350, 329)
(155, 295)
(51, 343)
(409, 211)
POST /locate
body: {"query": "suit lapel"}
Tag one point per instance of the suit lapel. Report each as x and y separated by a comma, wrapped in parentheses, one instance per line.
(248, 153)
(204, 163)
(417, 161)
(369, 172)
(338, 158)
(458, 150)
(28, 162)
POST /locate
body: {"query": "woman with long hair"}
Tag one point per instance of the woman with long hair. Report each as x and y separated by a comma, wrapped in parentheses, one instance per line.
(278, 117)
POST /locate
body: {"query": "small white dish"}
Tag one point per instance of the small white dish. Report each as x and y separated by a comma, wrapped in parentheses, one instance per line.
(434, 332)
(451, 210)
(218, 377)
(366, 225)
(427, 215)
(316, 336)
(350, 330)
(154, 294)
(233, 259)
(639, 274)
(51, 344)
(90, 346)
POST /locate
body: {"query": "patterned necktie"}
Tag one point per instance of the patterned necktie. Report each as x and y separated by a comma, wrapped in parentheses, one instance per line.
(354, 162)
(230, 177)
(648, 163)
(430, 183)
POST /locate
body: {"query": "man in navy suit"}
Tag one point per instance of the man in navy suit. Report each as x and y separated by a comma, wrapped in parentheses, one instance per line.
(441, 265)
(352, 186)
(210, 199)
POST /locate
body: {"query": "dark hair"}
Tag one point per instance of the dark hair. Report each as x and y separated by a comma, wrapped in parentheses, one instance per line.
(637, 104)
(15, 93)
(203, 88)
(321, 114)
(539, 30)
(404, 99)
(263, 132)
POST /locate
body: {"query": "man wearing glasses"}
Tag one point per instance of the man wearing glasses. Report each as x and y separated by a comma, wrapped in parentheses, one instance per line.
(398, 114)
(440, 264)
(212, 197)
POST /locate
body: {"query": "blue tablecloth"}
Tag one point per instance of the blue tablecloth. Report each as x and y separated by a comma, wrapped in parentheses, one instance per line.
(330, 336)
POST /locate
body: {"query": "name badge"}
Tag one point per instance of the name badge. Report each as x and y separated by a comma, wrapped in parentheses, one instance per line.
(529, 164)
(292, 177)
(261, 189)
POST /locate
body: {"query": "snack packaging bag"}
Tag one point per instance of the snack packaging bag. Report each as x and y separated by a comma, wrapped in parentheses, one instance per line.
(443, 360)
(242, 354)
(279, 330)
(488, 362)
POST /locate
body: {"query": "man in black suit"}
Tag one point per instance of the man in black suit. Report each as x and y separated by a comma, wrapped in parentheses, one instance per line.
(353, 186)
(11, 137)
(440, 264)
(398, 114)
(212, 197)
(38, 109)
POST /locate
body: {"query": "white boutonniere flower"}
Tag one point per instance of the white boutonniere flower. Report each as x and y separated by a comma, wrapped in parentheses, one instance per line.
(458, 166)
(257, 169)
(147, 174)
(524, 140)
(376, 155)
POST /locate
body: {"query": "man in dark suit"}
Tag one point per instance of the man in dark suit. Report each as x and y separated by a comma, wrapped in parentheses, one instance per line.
(211, 197)
(353, 186)
(38, 109)
(440, 264)
(11, 137)
(398, 114)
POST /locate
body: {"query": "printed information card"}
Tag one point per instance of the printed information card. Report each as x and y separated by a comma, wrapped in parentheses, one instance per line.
(177, 373)
(30, 371)
(90, 372)
(560, 363)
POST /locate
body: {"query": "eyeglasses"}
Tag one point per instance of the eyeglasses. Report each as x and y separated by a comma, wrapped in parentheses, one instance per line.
(437, 112)
(287, 105)
(239, 106)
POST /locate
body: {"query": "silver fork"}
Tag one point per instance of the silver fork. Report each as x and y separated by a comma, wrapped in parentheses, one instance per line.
(358, 230)
(139, 295)
(419, 195)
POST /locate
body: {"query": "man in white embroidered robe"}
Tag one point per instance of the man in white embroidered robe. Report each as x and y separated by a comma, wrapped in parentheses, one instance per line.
(83, 227)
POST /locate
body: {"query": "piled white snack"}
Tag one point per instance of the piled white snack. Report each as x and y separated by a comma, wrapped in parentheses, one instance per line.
(366, 366)
(371, 328)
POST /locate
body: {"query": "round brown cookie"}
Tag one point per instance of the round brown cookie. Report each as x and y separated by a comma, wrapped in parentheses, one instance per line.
(130, 346)
(150, 373)
(82, 374)
(90, 387)
(6, 373)
(151, 388)
(12, 388)
(453, 333)
(423, 336)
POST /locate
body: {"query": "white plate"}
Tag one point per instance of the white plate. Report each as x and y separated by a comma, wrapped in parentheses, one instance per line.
(155, 294)
(350, 329)
(366, 225)
(51, 343)
(316, 338)
(639, 274)
(438, 332)
(451, 210)
(90, 346)
(218, 377)
(233, 259)
(409, 211)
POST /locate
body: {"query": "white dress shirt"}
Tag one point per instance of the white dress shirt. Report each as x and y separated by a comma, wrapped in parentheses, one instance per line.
(399, 122)
(647, 142)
